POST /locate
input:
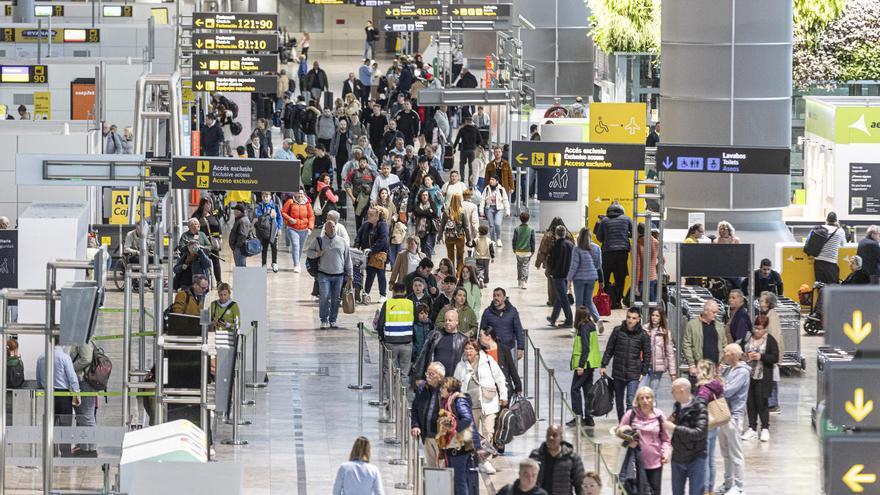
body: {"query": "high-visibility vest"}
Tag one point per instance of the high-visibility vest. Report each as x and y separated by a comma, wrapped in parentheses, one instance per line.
(399, 317)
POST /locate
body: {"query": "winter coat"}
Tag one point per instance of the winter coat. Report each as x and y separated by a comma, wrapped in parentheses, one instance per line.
(769, 359)
(298, 216)
(654, 442)
(652, 267)
(241, 229)
(427, 355)
(631, 351)
(559, 261)
(662, 352)
(339, 139)
(586, 265)
(467, 320)
(506, 323)
(313, 74)
(615, 230)
(691, 431)
(692, 341)
(489, 375)
(710, 391)
(568, 470)
(420, 334)
(212, 139)
(373, 237)
(503, 172)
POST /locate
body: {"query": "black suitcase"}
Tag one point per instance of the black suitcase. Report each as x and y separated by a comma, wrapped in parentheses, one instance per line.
(341, 206)
(448, 158)
(328, 99)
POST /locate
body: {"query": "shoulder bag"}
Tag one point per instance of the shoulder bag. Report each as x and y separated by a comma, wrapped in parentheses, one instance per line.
(719, 412)
(312, 263)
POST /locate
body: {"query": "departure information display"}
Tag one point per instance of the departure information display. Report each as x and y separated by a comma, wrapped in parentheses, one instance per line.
(235, 21)
(235, 62)
(235, 41)
(24, 74)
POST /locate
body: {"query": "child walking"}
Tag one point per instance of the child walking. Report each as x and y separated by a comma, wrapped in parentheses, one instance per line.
(523, 247)
(484, 253)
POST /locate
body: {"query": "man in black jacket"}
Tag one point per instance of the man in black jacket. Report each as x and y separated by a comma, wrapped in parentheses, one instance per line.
(315, 82)
(352, 85)
(444, 295)
(423, 271)
(630, 348)
(408, 123)
(445, 345)
(212, 136)
(469, 137)
(295, 118)
(425, 408)
(869, 251)
(376, 123)
(558, 264)
(614, 231)
(562, 470)
(689, 432)
(389, 139)
(767, 279)
(527, 482)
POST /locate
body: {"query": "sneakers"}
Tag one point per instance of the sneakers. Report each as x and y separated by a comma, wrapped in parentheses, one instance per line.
(601, 327)
(775, 410)
(765, 435)
(751, 434)
(498, 244)
(333, 324)
(525, 285)
(487, 468)
(722, 490)
(324, 325)
(551, 322)
(296, 269)
(572, 423)
(275, 267)
(382, 299)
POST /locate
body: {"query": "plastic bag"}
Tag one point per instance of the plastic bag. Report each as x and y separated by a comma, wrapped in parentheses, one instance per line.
(600, 399)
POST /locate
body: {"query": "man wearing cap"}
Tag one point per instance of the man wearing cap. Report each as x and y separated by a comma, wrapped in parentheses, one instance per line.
(285, 153)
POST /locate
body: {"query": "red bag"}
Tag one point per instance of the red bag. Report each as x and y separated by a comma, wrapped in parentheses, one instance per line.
(603, 303)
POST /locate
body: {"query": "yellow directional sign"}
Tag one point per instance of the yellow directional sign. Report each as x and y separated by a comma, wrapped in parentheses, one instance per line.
(182, 174)
(858, 331)
(520, 158)
(855, 478)
(858, 408)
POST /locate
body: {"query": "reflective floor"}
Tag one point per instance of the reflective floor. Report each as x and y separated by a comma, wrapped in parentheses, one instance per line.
(306, 420)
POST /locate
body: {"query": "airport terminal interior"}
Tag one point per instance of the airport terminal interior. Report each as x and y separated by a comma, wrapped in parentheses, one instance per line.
(348, 247)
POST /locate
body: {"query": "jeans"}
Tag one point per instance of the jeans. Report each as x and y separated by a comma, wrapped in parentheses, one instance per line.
(370, 46)
(329, 289)
(580, 389)
(239, 258)
(372, 273)
(427, 244)
(310, 139)
(316, 94)
(296, 239)
(694, 471)
(393, 251)
(773, 401)
(615, 263)
(522, 267)
(623, 388)
(652, 380)
(85, 411)
(401, 354)
(583, 296)
(730, 445)
(466, 477)
(561, 302)
(652, 290)
(266, 246)
(710, 459)
(299, 135)
(496, 219)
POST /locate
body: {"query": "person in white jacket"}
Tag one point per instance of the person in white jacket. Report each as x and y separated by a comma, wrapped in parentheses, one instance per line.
(483, 380)
(453, 187)
(495, 206)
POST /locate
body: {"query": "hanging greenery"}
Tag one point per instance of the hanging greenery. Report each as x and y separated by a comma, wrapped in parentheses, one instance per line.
(625, 25)
(810, 15)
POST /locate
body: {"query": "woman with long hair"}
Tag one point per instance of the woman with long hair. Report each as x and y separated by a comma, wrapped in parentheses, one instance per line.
(494, 205)
(210, 225)
(585, 357)
(468, 281)
(768, 303)
(585, 270)
(709, 388)
(424, 218)
(655, 445)
(662, 350)
(358, 475)
(694, 234)
(456, 233)
(373, 237)
(726, 234)
(459, 443)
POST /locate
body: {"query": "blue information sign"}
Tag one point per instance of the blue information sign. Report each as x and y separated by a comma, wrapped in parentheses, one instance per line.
(723, 159)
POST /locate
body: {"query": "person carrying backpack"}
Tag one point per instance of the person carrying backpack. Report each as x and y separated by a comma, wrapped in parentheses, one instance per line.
(14, 365)
(267, 226)
(83, 357)
(824, 244)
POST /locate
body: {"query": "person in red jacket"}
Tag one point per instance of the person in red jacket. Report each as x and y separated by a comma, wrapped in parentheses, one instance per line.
(299, 219)
(325, 199)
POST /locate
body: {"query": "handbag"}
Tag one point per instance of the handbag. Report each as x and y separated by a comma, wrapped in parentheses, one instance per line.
(603, 303)
(252, 246)
(719, 412)
(377, 260)
(348, 299)
(217, 244)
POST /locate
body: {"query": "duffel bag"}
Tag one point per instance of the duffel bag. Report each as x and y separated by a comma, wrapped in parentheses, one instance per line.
(505, 427)
(522, 409)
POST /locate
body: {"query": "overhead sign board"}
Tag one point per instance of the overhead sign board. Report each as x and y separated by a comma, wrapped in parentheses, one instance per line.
(235, 83)
(235, 41)
(723, 159)
(852, 465)
(479, 11)
(376, 3)
(235, 20)
(327, 2)
(603, 156)
(852, 393)
(411, 25)
(33, 35)
(235, 62)
(414, 10)
(24, 74)
(117, 10)
(864, 189)
(852, 317)
(234, 174)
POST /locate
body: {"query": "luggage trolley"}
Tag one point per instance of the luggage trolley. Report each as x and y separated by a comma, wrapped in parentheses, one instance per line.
(790, 320)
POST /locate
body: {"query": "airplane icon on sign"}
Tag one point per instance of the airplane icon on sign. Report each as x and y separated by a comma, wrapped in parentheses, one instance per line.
(631, 127)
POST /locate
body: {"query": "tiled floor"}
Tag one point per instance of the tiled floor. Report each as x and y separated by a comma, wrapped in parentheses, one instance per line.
(307, 419)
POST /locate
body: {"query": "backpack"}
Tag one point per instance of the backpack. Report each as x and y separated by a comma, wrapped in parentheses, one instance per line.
(318, 205)
(14, 372)
(235, 128)
(98, 373)
(816, 240)
(453, 229)
(264, 226)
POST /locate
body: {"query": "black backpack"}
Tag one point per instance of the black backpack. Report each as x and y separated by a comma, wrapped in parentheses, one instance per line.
(98, 373)
(264, 227)
(816, 240)
(235, 128)
(14, 372)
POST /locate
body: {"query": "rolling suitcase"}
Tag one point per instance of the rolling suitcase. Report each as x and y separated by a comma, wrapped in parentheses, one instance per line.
(448, 158)
(328, 99)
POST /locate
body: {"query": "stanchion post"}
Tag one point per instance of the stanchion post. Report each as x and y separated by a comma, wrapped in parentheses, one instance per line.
(525, 375)
(237, 391)
(577, 435)
(393, 401)
(597, 454)
(360, 385)
(402, 437)
(615, 484)
(563, 399)
(551, 395)
(243, 398)
(380, 402)
(254, 382)
(537, 382)
(419, 489)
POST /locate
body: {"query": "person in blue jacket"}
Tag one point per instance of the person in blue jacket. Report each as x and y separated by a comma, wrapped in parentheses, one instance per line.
(268, 223)
(504, 318)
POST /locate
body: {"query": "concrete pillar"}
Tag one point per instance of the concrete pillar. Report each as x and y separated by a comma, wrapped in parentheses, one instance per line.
(23, 11)
(727, 81)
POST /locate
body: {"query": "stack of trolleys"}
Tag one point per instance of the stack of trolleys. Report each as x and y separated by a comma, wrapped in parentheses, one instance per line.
(692, 299)
(790, 320)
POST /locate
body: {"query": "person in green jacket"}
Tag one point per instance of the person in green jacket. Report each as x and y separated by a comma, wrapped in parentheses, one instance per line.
(585, 357)
(699, 336)
(468, 281)
(467, 319)
(224, 311)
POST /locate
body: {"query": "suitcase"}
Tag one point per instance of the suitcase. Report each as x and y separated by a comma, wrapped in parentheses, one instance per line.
(328, 99)
(448, 158)
(341, 206)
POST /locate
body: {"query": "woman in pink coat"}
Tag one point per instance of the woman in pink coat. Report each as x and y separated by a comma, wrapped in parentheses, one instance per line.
(654, 443)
